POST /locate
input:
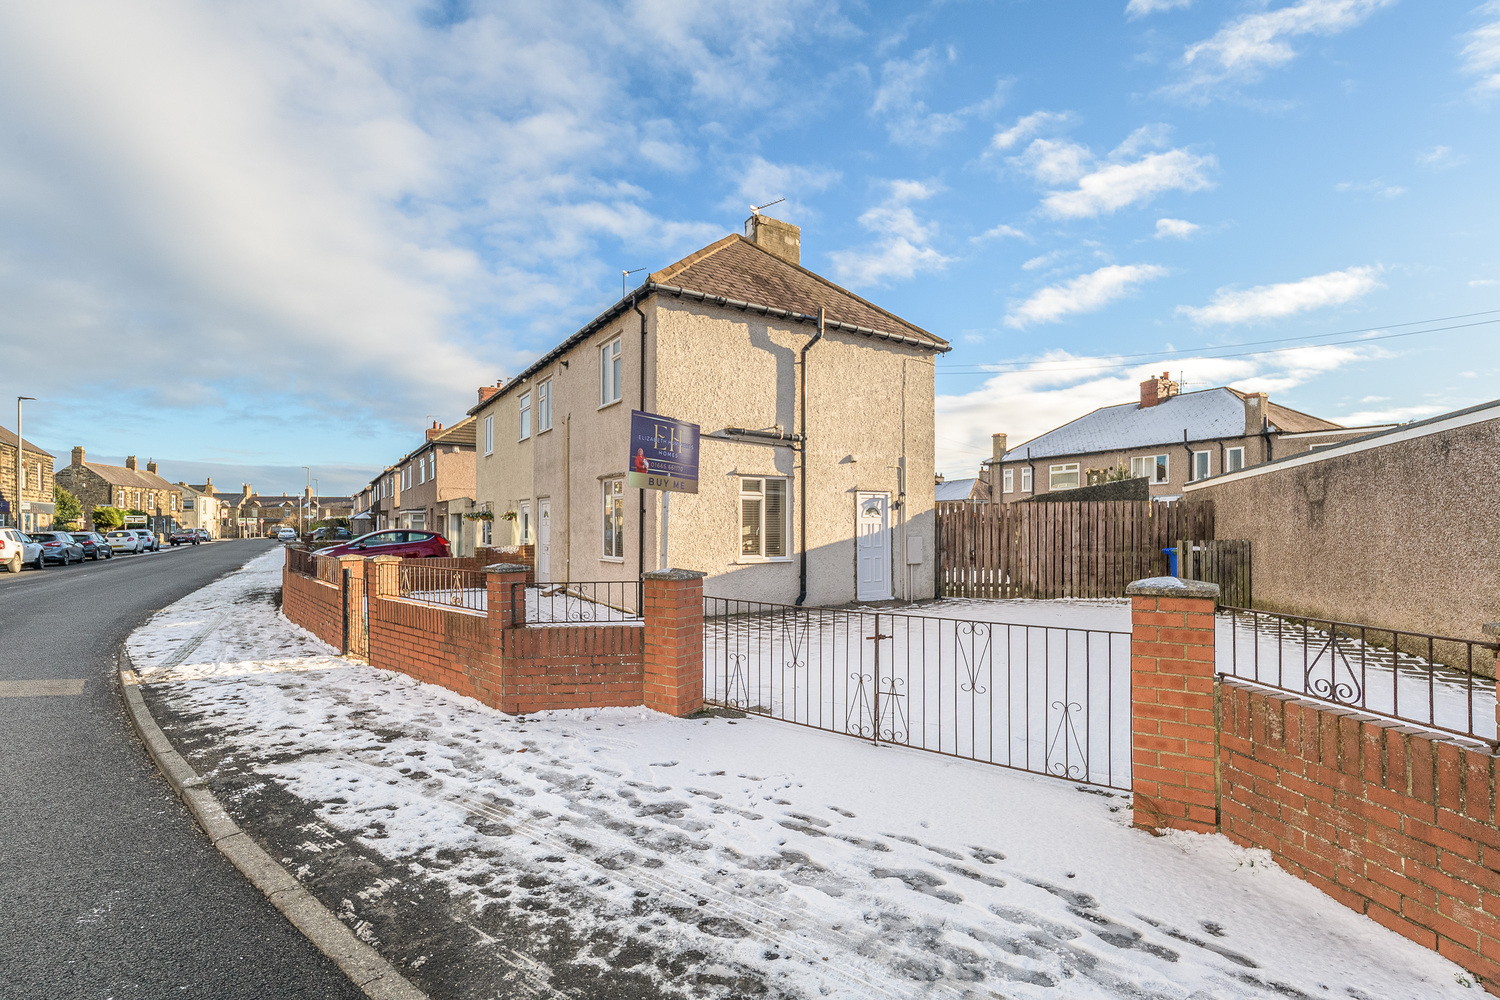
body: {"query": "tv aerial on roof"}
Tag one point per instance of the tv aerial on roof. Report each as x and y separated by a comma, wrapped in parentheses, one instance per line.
(755, 209)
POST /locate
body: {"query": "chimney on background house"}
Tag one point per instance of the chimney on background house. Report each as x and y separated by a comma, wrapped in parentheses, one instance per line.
(78, 454)
(208, 486)
(130, 462)
(245, 490)
(1255, 412)
(997, 447)
(434, 430)
(780, 238)
(486, 391)
(1154, 390)
(150, 465)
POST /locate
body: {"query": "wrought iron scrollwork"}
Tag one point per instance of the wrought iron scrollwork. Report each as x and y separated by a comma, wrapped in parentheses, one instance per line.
(973, 651)
(1066, 733)
(1348, 691)
(892, 724)
(859, 708)
(738, 693)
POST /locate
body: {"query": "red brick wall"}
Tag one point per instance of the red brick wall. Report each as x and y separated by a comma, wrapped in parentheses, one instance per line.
(1397, 824)
(315, 605)
(560, 666)
(437, 645)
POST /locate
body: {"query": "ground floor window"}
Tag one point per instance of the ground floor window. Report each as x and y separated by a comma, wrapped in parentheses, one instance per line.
(1234, 460)
(523, 524)
(486, 529)
(1063, 477)
(1026, 479)
(763, 518)
(1152, 467)
(614, 519)
(1200, 465)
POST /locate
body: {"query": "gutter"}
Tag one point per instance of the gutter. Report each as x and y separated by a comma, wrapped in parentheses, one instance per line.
(802, 532)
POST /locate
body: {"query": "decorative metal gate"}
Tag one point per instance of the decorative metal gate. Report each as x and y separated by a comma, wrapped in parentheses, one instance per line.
(1047, 699)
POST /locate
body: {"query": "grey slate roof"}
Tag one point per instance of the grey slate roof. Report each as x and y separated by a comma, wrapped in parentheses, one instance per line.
(1204, 415)
(954, 489)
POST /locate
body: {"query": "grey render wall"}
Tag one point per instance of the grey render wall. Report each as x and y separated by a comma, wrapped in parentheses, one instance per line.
(1405, 535)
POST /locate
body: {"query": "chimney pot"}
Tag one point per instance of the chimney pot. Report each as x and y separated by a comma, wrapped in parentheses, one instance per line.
(78, 455)
(130, 462)
(782, 239)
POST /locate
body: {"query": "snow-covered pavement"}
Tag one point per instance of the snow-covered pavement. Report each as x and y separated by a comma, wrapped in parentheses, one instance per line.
(622, 853)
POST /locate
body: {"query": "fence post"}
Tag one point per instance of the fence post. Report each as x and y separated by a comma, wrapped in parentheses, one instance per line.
(673, 679)
(352, 572)
(505, 594)
(1174, 734)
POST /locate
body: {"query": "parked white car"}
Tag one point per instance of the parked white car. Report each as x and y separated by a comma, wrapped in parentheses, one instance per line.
(149, 542)
(286, 535)
(17, 550)
(125, 541)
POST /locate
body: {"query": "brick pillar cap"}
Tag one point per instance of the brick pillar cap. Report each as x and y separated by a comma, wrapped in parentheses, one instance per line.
(674, 574)
(1171, 586)
(1492, 628)
(350, 557)
(508, 568)
(385, 559)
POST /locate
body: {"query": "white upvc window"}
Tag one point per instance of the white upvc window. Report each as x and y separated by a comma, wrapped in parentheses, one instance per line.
(1201, 465)
(422, 470)
(1008, 481)
(544, 406)
(525, 415)
(614, 519)
(611, 373)
(489, 434)
(486, 529)
(1063, 477)
(1025, 479)
(1234, 459)
(763, 518)
(523, 523)
(1153, 467)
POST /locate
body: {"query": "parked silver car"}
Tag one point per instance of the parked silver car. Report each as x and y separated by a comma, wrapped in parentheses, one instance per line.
(123, 540)
(58, 547)
(151, 543)
(17, 550)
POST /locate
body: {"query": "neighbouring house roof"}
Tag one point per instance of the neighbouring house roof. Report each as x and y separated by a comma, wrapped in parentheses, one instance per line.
(737, 273)
(955, 489)
(8, 437)
(119, 475)
(1204, 415)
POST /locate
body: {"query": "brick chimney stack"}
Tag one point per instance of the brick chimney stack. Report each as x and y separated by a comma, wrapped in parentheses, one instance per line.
(1154, 390)
(434, 430)
(245, 491)
(208, 486)
(780, 238)
(486, 391)
(997, 447)
(78, 455)
(130, 462)
(151, 465)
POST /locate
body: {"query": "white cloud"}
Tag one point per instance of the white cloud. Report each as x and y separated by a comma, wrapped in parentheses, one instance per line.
(1441, 157)
(901, 243)
(1060, 387)
(1140, 8)
(1376, 189)
(909, 121)
(1000, 232)
(1054, 161)
(1252, 43)
(1175, 228)
(1028, 126)
(1483, 282)
(1083, 294)
(1481, 54)
(1389, 415)
(1285, 299)
(1044, 260)
(762, 181)
(1113, 186)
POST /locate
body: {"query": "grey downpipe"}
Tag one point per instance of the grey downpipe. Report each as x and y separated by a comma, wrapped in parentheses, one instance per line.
(802, 539)
(640, 520)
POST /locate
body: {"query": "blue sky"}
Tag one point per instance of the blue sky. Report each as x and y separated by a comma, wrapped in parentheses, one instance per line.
(242, 239)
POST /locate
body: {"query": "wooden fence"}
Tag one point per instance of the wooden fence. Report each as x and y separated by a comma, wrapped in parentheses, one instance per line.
(1061, 549)
(1225, 562)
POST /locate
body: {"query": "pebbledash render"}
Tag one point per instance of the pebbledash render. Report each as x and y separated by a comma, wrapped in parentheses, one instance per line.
(728, 338)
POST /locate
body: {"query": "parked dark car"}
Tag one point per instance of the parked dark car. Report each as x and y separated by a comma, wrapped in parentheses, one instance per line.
(94, 544)
(183, 536)
(330, 535)
(393, 542)
(58, 546)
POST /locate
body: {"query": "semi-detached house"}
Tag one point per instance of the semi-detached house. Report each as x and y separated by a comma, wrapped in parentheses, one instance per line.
(816, 414)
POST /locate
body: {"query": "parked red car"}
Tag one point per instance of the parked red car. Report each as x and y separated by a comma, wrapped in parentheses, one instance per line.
(393, 542)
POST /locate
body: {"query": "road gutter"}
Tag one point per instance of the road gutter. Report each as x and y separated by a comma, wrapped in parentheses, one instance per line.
(376, 977)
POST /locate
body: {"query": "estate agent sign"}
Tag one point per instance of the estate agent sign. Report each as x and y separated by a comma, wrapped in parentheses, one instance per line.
(663, 453)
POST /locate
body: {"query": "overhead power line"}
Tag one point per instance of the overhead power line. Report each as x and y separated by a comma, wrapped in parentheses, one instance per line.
(1120, 361)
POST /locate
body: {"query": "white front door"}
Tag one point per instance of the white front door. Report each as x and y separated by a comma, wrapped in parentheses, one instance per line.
(456, 533)
(872, 540)
(544, 540)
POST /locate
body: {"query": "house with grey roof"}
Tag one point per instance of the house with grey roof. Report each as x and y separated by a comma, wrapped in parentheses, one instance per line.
(30, 508)
(1168, 438)
(970, 490)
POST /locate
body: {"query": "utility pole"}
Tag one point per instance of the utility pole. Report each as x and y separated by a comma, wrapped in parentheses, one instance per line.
(20, 462)
(302, 507)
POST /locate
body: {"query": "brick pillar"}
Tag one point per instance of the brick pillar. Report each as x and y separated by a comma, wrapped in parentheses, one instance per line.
(1174, 737)
(506, 601)
(385, 576)
(674, 641)
(1492, 632)
(354, 611)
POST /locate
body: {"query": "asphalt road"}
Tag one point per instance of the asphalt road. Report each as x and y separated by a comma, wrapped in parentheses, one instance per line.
(107, 888)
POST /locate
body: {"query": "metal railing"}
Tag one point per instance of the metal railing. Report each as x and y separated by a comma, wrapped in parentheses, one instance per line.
(1047, 699)
(450, 586)
(572, 602)
(1434, 681)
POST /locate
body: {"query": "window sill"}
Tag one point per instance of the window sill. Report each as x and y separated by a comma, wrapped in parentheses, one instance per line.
(543, 431)
(613, 402)
(760, 560)
(612, 559)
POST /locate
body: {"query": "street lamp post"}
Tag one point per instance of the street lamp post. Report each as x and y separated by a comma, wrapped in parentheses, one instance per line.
(302, 507)
(20, 460)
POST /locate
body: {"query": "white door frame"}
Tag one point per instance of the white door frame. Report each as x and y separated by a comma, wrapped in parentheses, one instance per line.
(544, 539)
(871, 533)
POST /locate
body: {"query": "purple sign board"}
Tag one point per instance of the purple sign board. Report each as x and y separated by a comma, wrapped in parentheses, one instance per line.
(663, 453)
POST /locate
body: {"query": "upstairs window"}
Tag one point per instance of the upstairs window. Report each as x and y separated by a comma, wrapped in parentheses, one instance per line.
(1025, 479)
(763, 513)
(489, 434)
(1152, 467)
(544, 406)
(611, 373)
(1008, 481)
(525, 415)
(1234, 460)
(1200, 465)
